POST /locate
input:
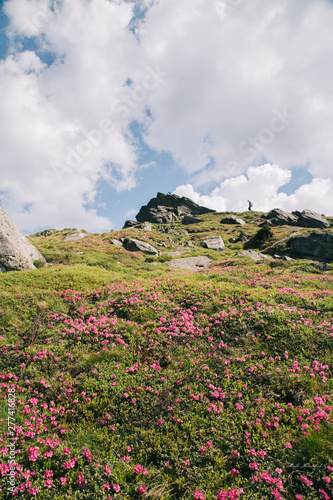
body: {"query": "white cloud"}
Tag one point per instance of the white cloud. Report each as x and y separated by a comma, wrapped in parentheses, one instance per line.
(249, 83)
(261, 185)
(229, 76)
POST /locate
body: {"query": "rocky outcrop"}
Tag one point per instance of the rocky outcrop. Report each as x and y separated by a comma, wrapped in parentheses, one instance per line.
(308, 218)
(166, 208)
(146, 226)
(213, 243)
(16, 251)
(278, 217)
(130, 223)
(232, 219)
(134, 245)
(190, 219)
(76, 236)
(317, 245)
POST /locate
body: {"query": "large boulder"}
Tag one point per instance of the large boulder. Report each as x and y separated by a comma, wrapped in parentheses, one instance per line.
(318, 245)
(278, 217)
(16, 251)
(213, 243)
(232, 219)
(134, 245)
(166, 208)
(308, 218)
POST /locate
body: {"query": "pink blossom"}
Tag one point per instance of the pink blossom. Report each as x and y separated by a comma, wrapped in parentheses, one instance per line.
(142, 489)
(198, 495)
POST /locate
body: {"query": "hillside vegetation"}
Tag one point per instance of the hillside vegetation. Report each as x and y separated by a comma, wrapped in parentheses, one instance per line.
(124, 378)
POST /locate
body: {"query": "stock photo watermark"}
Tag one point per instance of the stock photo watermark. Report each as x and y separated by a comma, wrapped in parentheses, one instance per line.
(74, 155)
(249, 148)
(11, 399)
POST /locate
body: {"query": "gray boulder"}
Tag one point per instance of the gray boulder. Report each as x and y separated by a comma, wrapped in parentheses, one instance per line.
(318, 245)
(308, 218)
(243, 237)
(16, 251)
(75, 236)
(213, 243)
(190, 219)
(134, 245)
(254, 255)
(278, 217)
(117, 243)
(166, 208)
(232, 219)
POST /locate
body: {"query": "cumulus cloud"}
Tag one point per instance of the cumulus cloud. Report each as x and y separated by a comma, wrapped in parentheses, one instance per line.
(261, 185)
(219, 84)
(65, 125)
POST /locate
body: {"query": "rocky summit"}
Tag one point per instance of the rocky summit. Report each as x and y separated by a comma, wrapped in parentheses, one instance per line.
(166, 208)
(16, 251)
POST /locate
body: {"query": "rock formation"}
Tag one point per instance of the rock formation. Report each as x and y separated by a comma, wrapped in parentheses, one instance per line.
(134, 245)
(232, 219)
(213, 243)
(16, 251)
(318, 245)
(307, 218)
(278, 217)
(166, 208)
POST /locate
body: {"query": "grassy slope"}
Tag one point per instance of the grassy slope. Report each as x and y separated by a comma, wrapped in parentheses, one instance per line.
(167, 383)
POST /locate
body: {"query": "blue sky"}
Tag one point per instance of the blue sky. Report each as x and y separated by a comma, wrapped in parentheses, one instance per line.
(105, 103)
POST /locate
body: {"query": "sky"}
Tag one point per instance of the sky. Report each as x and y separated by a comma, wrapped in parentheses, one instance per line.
(103, 103)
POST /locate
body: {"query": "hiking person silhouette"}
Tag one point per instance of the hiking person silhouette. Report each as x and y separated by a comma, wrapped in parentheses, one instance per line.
(250, 205)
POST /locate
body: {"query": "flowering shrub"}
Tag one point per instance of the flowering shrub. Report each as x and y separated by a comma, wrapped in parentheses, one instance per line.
(212, 386)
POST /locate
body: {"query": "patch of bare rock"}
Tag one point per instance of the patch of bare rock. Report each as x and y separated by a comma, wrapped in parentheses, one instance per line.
(191, 263)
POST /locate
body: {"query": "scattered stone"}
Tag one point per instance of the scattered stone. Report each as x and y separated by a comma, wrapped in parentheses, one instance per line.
(117, 243)
(232, 219)
(243, 237)
(191, 263)
(130, 223)
(190, 219)
(46, 232)
(213, 243)
(278, 217)
(75, 236)
(254, 255)
(321, 266)
(16, 251)
(80, 253)
(134, 245)
(166, 208)
(161, 245)
(308, 218)
(283, 257)
(190, 244)
(318, 245)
